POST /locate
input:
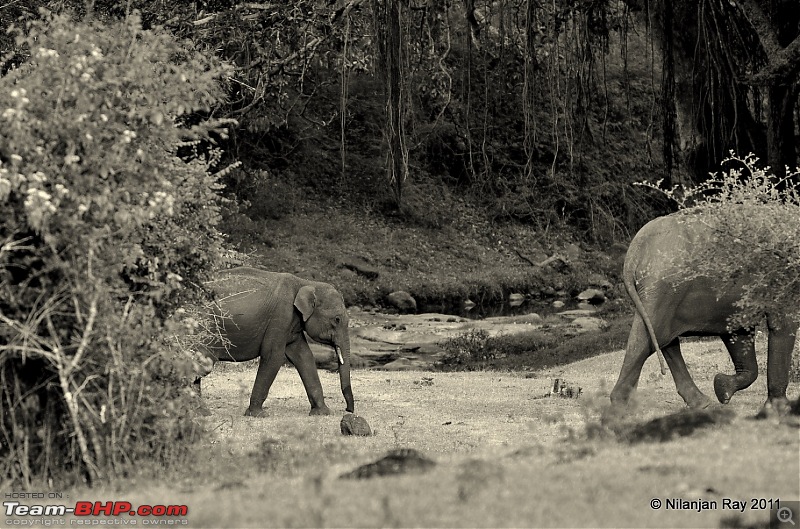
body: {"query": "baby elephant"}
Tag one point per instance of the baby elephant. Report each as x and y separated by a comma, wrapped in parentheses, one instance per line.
(667, 306)
(263, 315)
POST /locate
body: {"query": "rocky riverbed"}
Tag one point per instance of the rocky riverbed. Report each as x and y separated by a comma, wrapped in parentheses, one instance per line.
(399, 342)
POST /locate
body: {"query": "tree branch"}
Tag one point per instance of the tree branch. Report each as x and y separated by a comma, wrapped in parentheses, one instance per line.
(783, 63)
(783, 67)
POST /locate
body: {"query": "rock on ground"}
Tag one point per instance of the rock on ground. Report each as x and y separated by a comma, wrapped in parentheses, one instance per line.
(360, 266)
(399, 461)
(592, 295)
(352, 424)
(402, 301)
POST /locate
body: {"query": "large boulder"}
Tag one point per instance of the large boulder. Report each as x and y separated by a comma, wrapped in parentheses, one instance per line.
(402, 301)
(360, 266)
(592, 295)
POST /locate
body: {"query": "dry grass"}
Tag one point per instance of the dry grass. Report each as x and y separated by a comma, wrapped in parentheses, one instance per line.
(507, 457)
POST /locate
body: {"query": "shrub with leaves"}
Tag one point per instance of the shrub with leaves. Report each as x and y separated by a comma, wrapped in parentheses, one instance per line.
(105, 234)
(755, 219)
(466, 348)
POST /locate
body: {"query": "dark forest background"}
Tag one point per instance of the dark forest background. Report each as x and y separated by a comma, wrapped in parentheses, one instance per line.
(543, 112)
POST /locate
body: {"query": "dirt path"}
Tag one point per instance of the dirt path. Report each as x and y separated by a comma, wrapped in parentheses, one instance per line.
(506, 456)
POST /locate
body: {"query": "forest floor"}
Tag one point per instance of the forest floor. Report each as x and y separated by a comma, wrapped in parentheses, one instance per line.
(505, 454)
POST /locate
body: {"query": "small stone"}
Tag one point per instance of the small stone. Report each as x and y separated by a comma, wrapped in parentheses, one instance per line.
(599, 280)
(557, 304)
(355, 425)
(575, 313)
(516, 299)
(588, 323)
(592, 295)
(573, 252)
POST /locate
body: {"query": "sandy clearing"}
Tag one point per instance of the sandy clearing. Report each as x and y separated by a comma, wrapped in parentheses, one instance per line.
(506, 456)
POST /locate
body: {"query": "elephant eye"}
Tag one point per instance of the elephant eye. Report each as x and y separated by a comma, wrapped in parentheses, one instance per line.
(337, 320)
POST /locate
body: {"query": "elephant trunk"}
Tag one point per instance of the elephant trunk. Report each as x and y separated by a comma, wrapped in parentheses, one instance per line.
(343, 359)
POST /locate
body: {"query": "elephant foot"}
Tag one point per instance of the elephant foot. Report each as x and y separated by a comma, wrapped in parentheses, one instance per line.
(260, 412)
(774, 407)
(724, 387)
(320, 410)
(700, 402)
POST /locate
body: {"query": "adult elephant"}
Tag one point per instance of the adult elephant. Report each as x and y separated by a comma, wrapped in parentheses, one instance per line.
(670, 303)
(263, 315)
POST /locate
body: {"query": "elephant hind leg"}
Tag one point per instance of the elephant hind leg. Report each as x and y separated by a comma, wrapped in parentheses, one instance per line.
(684, 383)
(637, 351)
(741, 347)
(268, 366)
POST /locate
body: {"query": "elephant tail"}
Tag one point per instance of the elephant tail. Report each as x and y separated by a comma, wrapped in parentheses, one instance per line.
(630, 286)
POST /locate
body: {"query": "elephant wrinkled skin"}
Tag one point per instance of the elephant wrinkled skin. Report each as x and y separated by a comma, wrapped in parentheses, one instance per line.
(263, 315)
(669, 306)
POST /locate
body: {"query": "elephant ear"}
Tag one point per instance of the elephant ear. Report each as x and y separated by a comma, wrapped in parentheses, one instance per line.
(305, 301)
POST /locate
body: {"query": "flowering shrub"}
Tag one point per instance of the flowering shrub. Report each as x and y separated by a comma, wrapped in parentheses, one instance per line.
(756, 222)
(105, 234)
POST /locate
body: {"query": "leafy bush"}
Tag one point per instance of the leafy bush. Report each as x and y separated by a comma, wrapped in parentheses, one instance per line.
(535, 349)
(105, 234)
(756, 222)
(467, 348)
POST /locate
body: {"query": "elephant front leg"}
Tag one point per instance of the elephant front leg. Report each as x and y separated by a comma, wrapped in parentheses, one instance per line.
(268, 367)
(299, 353)
(741, 347)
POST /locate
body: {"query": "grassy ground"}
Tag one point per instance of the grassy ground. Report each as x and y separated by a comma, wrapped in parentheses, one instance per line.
(506, 455)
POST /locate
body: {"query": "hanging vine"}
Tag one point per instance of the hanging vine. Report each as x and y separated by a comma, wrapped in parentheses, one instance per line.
(391, 49)
(528, 87)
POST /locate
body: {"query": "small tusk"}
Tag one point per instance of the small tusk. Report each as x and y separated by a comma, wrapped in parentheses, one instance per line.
(339, 354)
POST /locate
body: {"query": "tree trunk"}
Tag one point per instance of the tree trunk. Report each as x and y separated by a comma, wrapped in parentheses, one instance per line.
(780, 129)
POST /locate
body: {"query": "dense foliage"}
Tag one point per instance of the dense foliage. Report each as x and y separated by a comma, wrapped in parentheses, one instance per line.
(543, 112)
(754, 219)
(105, 235)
